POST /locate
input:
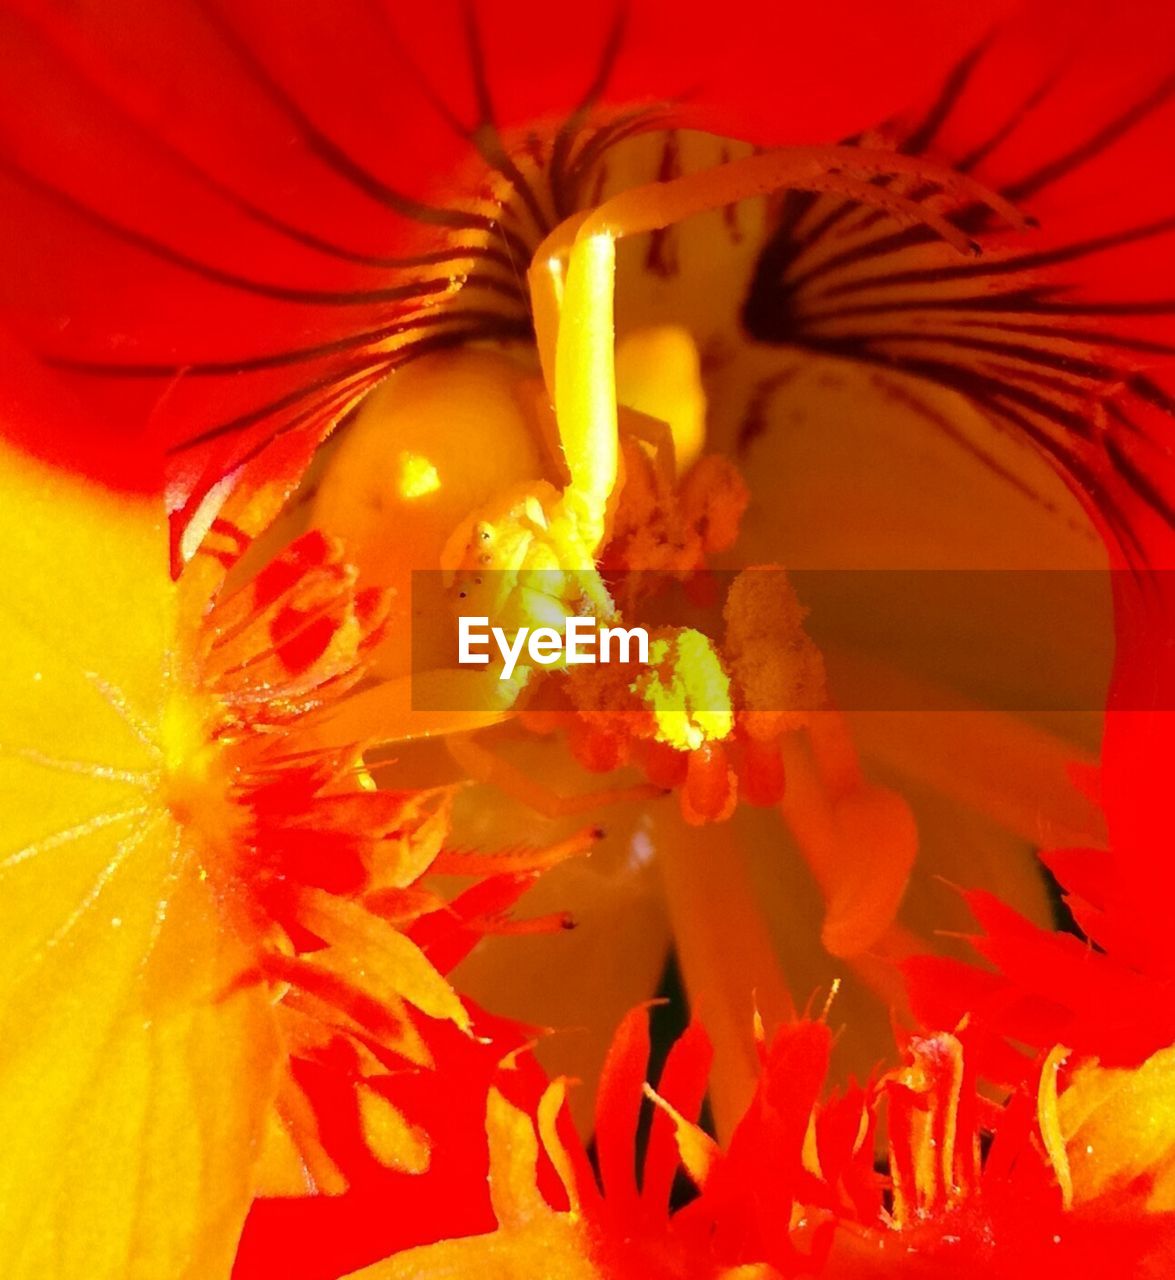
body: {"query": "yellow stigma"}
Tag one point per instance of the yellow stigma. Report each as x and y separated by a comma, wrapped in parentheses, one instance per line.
(687, 691)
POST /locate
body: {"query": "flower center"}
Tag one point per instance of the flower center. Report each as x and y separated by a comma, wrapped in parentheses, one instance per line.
(197, 785)
(575, 473)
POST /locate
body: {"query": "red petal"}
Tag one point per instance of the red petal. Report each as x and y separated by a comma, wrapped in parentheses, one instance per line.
(204, 204)
(682, 1085)
(618, 1105)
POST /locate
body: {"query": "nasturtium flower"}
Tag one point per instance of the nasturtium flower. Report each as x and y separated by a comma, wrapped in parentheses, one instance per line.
(591, 306)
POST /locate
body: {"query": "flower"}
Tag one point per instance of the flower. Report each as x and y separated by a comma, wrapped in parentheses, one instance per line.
(223, 297)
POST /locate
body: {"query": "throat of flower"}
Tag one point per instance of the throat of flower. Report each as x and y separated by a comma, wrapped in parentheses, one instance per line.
(197, 777)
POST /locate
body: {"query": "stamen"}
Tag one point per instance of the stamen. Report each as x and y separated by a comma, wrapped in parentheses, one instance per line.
(1050, 1122)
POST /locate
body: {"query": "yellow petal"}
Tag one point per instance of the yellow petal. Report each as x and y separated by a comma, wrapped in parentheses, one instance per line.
(392, 1140)
(134, 1077)
(377, 958)
(1120, 1125)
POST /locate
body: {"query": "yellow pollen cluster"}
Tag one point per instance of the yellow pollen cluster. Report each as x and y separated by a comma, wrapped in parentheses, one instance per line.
(687, 691)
